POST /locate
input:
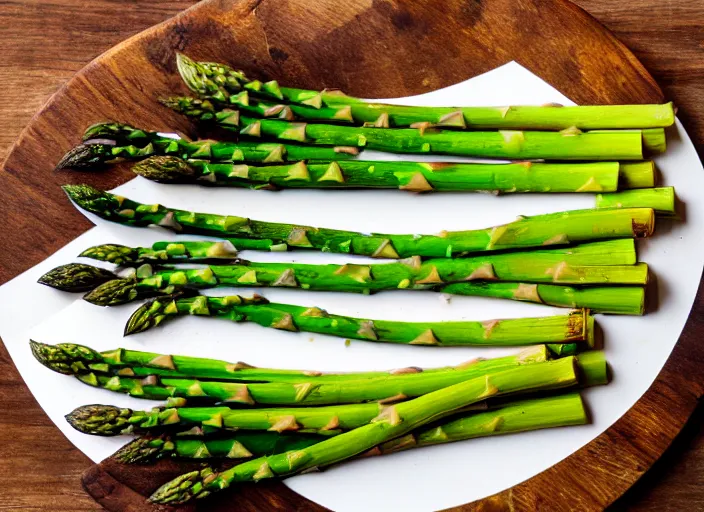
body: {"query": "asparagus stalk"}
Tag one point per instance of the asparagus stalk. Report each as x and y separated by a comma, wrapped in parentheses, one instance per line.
(394, 422)
(107, 420)
(636, 175)
(178, 252)
(540, 230)
(652, 139)
(515, 416)
(72, 359)
(661, 199)
(104, 147)
(574, 327)
(219, 82)
(618, 300)
(608, 262)
(313, 391)
(411, 176)
(358, 278)
(608, 252)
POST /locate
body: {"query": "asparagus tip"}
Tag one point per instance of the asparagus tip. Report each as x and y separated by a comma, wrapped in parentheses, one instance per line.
(91, 199)
(184, 487)
(148, 315)
(111, 253)
(191, 73)
(113, 293)
(85, 157)
(106, 129)
(76, 277)
(66, 358)
(142, 450)
(99, 420)
(165, 169)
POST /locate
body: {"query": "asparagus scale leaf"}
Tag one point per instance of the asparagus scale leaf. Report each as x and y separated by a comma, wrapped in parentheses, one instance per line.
(220, 82)
(540, 230)
(511, 417)
(395, 421)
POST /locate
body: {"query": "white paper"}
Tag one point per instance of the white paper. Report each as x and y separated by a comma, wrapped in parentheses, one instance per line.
(426, 479)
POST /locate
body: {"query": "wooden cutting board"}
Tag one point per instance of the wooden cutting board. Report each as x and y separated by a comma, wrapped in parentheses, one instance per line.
(377, 48)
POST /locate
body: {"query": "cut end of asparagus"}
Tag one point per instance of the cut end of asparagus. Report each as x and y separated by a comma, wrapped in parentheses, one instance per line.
(113, 293)
(166, 169)
(144, 450)
(184, 488)
(86, 157)
(66, 358)
(111, 253)
(100, 420)
(91, 199)
(76, 277)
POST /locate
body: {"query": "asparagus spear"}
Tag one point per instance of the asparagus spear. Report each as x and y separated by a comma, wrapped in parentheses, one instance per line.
(107, 420)
(358, 278)
(411, 176)
(636, 175)
(102, 147)
(652, 139)
(393, 423)
(661, 199)
(608, 252)
(220, 82)
(540, 230)
(618, 300)
(511, 417)
(576, 326)
(178, 252)
(70, 359)
(571, 144)
(608, 262)
(313, 391)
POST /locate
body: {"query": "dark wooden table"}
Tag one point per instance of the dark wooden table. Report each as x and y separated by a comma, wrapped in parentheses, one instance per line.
(44, 42)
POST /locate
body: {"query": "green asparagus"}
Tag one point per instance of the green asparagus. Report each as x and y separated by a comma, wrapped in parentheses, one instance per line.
(515, 416)
(71, 359)
(609, 262)
(569, 144)
(103, 147)
(314, 391)
(617, 300)
(410, 176)
(608, 252)
(76, 277)
(636, 175)
(395, 421)
(661, 199)
(221, 83)
(574, 327)
(540, 230)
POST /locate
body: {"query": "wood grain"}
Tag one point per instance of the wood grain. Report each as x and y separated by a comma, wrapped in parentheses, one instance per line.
(76, 30)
